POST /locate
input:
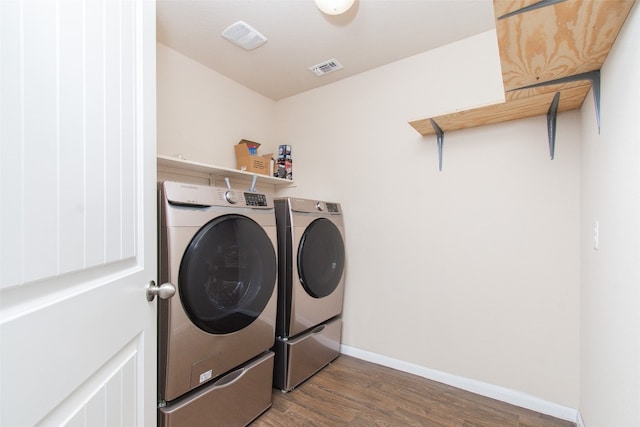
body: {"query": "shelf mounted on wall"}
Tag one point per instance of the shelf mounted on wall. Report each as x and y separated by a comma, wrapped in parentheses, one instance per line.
(563, 30)
(214, 174)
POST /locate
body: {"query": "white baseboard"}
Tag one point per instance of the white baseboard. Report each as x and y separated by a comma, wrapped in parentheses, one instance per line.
(512, 397)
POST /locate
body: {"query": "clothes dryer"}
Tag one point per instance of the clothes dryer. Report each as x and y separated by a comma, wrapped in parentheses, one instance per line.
(311, 254)
(218, 248)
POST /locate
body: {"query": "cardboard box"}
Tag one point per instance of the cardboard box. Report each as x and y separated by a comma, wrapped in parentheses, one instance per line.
(248, 160)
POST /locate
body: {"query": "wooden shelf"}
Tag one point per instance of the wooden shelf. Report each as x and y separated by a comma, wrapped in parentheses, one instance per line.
(514, 108)
(542, 45)
(218, 172)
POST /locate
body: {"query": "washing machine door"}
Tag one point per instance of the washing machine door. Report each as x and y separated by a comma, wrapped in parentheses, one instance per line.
(227, 274)
(321, 258)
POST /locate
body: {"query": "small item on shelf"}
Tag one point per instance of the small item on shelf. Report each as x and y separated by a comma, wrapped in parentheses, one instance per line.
(284, 163)
(247, 158)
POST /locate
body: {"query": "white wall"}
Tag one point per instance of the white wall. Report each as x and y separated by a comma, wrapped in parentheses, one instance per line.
(203, 114)
(610, 293)
(472, 271)
(353, 133)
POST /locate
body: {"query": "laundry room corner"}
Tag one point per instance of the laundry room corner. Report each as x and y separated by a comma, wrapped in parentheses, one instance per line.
(481, 256)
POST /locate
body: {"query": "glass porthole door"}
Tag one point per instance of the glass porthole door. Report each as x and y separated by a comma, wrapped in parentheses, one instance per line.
(227, 274)
(321, 258)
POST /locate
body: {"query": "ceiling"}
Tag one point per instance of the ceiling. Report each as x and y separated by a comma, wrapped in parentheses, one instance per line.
(371, 34)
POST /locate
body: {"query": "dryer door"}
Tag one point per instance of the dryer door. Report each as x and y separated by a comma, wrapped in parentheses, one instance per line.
(227, 274)
(321, 258)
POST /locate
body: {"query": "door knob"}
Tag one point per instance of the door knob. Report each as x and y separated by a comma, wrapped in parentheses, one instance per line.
(164, 291)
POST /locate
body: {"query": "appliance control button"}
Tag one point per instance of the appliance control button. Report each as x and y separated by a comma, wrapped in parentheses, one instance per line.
(230, 197)
(319, 206)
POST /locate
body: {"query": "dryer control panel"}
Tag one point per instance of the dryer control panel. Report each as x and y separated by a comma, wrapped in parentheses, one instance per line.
(311, 206)
(333, 207)
(183, 194)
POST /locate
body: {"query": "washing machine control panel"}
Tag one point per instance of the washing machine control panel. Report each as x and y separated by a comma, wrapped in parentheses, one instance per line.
(244, 199)
(201, 196)
(255, 199)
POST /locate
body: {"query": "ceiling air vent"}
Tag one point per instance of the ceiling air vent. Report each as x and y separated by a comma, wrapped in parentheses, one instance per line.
(325, 67)
(244, 35)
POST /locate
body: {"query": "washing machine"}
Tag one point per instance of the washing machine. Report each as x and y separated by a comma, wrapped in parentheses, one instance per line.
(311, 274)
(218, 248)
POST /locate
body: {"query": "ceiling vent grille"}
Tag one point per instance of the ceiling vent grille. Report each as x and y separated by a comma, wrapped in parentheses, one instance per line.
(326, 67)
(244, 35)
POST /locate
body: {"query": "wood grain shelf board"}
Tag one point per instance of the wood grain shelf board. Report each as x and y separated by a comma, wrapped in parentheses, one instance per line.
(517, 108)
(561, 40)
(568, 38)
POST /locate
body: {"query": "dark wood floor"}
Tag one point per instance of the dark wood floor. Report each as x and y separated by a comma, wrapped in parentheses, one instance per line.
(352, 392)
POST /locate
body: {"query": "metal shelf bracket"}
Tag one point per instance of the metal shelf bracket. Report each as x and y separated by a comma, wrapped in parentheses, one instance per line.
(552, 115)
(538, 5)
(440, 135)
(593, 76)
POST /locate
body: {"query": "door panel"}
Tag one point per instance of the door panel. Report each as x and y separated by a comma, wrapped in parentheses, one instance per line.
(109, 396)
(94, 111)
(77, 212)
(70, 151)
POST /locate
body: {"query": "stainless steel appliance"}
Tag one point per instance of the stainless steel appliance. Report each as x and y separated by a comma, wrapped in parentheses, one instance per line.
(218, 247)
(311, 254)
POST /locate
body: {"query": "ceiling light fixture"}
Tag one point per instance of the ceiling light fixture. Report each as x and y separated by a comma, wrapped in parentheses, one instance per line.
(334, 7)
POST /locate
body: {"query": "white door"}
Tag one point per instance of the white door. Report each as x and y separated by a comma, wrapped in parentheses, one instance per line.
(77, 213)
